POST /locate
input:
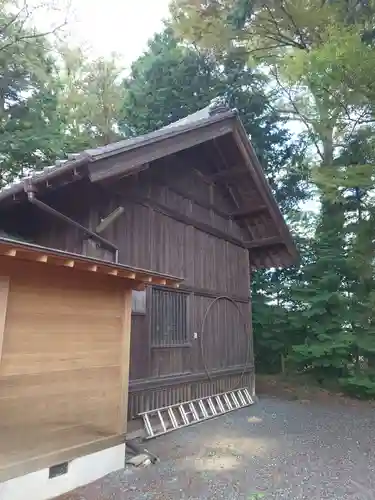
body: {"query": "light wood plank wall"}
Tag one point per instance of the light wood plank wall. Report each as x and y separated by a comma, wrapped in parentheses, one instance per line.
(62, 349)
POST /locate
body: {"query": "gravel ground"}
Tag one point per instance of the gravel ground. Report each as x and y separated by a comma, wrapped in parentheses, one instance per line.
(279, 449)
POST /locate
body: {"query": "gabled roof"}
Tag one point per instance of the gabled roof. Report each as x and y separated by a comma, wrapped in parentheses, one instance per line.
(270, 243)
(90, 156)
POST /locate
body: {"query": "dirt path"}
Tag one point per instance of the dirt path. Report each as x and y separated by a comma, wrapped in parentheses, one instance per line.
(281, 449)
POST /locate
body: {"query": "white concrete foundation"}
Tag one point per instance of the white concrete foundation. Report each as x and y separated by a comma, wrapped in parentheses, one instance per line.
(81, 471)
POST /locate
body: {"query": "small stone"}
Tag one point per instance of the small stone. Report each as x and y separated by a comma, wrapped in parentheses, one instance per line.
(140, 460)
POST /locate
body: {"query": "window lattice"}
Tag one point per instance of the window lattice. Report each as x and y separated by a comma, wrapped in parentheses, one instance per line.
(168, 317)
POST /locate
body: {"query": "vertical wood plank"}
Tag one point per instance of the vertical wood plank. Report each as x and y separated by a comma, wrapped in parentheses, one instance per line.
(125, 359)
(4, 292)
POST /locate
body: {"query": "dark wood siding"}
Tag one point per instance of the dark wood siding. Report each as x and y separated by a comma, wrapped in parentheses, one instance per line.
(173, 222)
(140, 354)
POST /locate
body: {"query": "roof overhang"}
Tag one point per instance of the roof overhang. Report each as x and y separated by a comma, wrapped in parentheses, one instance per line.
(133, 277)
(128, 157)
(168, 141)
(291, 256)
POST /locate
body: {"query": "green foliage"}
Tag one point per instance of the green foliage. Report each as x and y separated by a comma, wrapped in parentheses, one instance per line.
(90, 98)
(49, 106)
(27, 102)
(359, 386)
(157, 94)
(320, 56)
(316, 52)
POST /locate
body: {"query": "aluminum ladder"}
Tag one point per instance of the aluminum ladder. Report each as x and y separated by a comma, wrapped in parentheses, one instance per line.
(169, 418)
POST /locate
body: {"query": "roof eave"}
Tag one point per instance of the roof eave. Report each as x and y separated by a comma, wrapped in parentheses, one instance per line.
(161, 145)
(40, 254)
(48, 174)
(90, 156)
(260, 180)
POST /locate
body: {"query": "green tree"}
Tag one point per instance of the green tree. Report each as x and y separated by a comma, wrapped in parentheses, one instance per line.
(25, 68)
(90, 98)
(319, 55)
(157, 93)
(277, 309)
(28, 130)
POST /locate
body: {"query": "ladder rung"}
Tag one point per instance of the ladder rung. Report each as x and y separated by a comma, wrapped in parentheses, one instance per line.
(247, 394)
(172, 418)
(203, 408)
(178, 415)
(183, 414)
(220, 404)
(194, 411)
(148, 425)
(235, 400)
(212, 406)
(162, 421)
(226, 399)
(242, 399)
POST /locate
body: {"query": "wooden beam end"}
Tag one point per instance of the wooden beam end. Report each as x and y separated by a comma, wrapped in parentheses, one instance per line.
(264, 242)
(42, 258)
(12, 252)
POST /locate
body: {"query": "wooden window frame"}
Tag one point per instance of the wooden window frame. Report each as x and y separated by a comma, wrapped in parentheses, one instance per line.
(184, 341)
(136, 311)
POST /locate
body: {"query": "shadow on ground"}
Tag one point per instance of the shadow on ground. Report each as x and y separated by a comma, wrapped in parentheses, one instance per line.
(283, 449)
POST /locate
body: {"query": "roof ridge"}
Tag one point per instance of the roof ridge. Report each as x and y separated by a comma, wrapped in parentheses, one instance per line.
(216, 110)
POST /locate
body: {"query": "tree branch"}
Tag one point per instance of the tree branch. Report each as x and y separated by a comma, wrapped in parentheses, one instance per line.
(13, 19)
(20, 21)
(297, 30)
(277, 33)
(298, 113)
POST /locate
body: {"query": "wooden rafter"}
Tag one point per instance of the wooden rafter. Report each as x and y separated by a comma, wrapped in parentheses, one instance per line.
(34, 253)
(185, 219)
(192, 197)
(227, 174)
(107, 221)
(230, 189)
(240, 213)
(243, 212)
(264, 242)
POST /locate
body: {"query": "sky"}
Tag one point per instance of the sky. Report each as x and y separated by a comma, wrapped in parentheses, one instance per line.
(106, 26)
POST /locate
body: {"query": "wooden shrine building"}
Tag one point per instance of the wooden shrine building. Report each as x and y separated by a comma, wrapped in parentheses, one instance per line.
(64, 367)
(189, 200)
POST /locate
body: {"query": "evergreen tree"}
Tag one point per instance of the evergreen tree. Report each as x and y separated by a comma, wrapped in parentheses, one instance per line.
(157, 94)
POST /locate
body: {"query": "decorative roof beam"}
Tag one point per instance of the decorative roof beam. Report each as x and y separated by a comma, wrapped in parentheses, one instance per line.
(42, 258)
(264, 242)
(109, 219)
(12, 252)
(229, 172)
(243, 212)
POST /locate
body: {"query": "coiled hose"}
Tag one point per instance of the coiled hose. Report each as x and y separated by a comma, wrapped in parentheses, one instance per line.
(248, 337)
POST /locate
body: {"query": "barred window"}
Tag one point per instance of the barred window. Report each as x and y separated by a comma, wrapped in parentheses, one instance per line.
(168, 318)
